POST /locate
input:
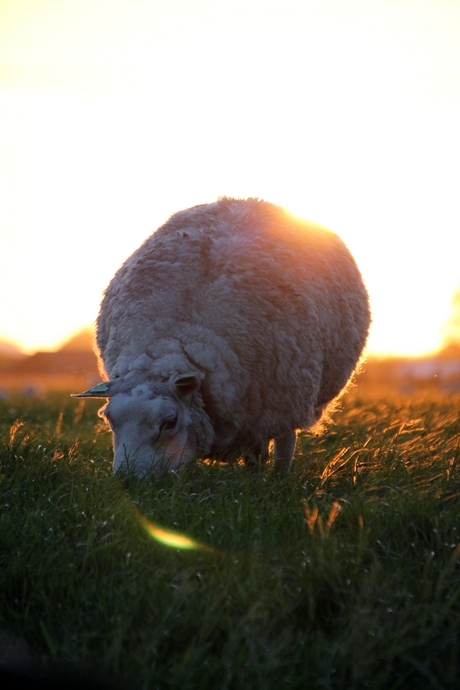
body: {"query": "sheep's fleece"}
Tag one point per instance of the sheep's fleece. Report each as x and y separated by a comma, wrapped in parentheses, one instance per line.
(233, 324)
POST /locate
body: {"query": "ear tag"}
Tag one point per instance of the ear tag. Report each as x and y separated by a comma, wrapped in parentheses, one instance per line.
(100, 388)
(99, 391)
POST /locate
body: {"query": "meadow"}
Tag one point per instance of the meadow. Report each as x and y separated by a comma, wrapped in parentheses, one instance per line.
(344, 574)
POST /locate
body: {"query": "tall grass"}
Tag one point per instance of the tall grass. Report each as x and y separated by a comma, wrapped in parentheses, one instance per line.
(344, 574)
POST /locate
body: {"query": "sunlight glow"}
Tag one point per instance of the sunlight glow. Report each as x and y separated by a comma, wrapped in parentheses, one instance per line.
(113, 117)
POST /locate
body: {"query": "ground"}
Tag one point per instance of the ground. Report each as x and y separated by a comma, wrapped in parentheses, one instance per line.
(344, 574)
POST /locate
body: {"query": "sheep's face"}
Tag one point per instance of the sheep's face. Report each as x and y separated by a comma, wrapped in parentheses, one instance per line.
(152, 424)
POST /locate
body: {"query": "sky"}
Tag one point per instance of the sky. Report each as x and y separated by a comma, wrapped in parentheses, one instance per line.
(114, 114)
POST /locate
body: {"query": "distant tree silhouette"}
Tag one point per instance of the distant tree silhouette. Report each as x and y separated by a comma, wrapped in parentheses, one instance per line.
(451, 330)
(79, 342)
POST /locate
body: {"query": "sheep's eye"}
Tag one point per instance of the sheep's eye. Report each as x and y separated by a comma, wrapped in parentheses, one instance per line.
(167, 425)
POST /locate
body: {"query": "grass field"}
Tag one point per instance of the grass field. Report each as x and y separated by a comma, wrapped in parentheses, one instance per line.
(344, 574)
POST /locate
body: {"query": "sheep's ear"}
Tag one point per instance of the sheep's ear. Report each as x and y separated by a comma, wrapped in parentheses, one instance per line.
(184, 385)
(102, 390)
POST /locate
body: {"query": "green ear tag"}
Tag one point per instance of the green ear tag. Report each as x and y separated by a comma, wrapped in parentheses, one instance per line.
(100, 388)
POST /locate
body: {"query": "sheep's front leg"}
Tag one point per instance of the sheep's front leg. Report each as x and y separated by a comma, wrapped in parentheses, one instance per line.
(284, 450)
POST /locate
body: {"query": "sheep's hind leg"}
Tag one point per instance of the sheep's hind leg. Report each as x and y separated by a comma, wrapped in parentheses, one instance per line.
(256, 456)
(284, 450)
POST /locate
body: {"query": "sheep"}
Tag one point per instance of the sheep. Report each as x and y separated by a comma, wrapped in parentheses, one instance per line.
(232, 325)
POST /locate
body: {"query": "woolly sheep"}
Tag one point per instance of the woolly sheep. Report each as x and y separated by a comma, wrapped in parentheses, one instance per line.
(233, 324)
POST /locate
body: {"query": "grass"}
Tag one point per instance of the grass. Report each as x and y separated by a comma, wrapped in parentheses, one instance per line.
(344, 574)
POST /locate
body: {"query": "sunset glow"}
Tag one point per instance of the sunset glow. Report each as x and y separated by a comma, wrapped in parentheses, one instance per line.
(115, 115)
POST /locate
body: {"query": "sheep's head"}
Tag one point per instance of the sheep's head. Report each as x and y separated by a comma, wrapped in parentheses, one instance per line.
(156, 424)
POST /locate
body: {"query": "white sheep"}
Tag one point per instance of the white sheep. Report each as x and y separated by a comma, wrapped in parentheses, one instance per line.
(233, 324)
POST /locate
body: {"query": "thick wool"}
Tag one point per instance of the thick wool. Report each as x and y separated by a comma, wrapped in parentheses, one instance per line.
(270, 310)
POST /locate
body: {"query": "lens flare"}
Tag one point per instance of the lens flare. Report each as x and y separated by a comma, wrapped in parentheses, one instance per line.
(173, 539)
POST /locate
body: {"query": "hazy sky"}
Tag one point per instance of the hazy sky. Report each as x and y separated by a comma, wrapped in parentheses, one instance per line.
(115, 114)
